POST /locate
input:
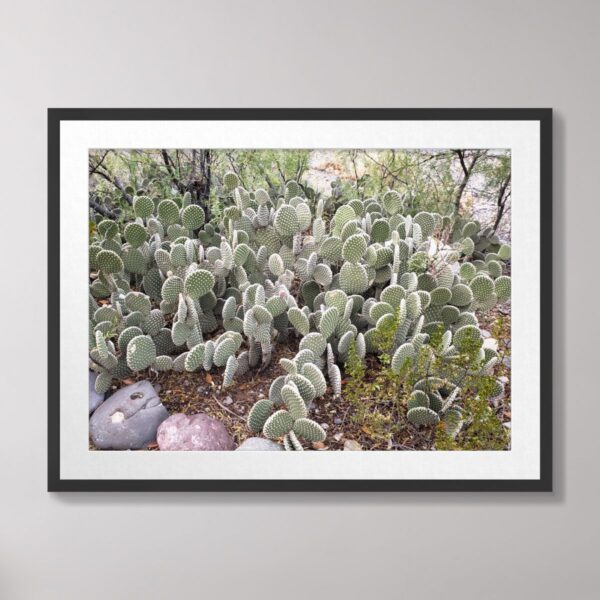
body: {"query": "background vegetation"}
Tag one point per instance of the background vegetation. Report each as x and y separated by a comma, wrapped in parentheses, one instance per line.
(465, 183)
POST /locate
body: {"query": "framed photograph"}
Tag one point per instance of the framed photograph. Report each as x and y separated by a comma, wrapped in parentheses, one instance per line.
(300, 299)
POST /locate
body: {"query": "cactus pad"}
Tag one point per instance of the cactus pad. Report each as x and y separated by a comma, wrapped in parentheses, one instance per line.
(278, 424)
(141, 353)
(199, 283)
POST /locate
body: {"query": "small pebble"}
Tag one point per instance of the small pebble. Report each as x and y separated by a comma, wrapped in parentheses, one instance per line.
(352, 445)
(337, 421)
(325, 425)
(228, 401)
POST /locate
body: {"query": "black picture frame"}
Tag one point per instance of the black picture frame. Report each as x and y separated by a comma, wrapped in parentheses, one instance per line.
(58, 115)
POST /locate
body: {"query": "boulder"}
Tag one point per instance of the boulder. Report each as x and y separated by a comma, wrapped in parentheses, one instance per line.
(259, 444)
(95, 398)
(193, 432)
(129, 419)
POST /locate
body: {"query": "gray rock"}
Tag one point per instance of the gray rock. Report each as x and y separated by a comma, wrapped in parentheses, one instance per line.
(95, 398)
(194, 432)
(128, 420)
(259, 444)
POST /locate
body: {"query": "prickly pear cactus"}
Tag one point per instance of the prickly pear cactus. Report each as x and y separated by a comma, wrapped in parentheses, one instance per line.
(182, 293)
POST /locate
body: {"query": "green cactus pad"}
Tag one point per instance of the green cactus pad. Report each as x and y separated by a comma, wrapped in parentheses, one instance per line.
(286, 221)
(392, 202)
(403, 354)
(482, 287)
(143, 206)
(199, 283)
(299, 320)
(259, 413)
(315, 342)
(471, 228)
(224, 349)
(192, 217)
(135, 234)
(413, 305)
(331, 248)
(379, 309)
(440, 296)
(126, 336)
(141, 353)
(467, 246)
(467, 271)
(108, 228)
(278, 424)
(393, 294)
(231, 368)
(291, 442)
(426, 221)
(353, 278)
(323, 275)
(109, 262)
(293, 401)
(418, 398)
(354, 248)
(502, 286)
(230, 180)
(275, 390)
(380, 231)
(466, 337)
(504, 252)
(163, 363)
(304, 386)
(422, 416)
(195, 358)
(172, 287)
(316, 377)
(276, 265)
(276, 305)
(461, 295)
(329, 321)
(450, 314)
(309, 430)
(168, 212)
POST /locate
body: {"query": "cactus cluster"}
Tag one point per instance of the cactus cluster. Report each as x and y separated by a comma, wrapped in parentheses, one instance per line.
(185, 294)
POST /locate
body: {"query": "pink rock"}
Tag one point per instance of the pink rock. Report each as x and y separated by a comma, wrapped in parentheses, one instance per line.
(194, 432)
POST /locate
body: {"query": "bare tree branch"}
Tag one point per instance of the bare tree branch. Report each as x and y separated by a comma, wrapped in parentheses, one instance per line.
(102, 210)
(467, 172)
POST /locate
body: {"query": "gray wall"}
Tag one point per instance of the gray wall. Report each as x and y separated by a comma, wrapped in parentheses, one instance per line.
(309, 53)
